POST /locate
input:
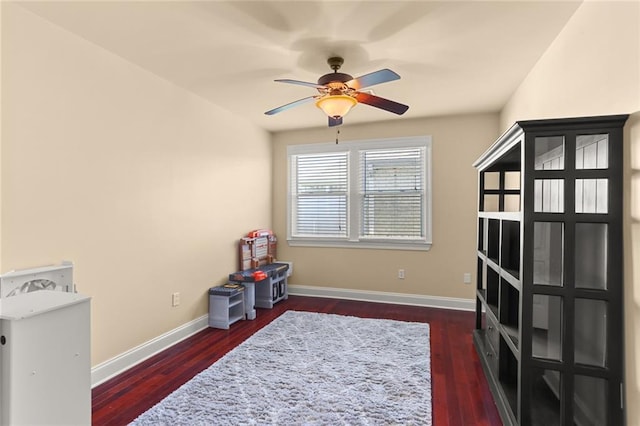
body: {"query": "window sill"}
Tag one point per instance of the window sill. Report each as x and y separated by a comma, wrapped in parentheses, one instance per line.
(379, 245)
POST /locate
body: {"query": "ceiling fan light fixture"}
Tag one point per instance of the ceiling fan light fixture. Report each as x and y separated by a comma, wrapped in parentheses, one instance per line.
(339, 92)
(336, 105)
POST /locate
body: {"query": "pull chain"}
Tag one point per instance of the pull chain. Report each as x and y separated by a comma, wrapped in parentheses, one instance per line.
(337, 133)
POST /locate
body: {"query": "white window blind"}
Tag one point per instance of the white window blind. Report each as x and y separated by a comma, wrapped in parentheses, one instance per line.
(392, 183)
(321, 187)
(373, 194)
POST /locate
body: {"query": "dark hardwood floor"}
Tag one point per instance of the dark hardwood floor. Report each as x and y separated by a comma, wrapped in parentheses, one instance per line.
(460, 391)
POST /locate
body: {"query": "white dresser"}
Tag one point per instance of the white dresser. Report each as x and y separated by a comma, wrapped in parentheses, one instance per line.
(45, 360)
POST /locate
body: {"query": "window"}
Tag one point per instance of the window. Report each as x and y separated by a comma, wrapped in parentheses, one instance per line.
(373, 194)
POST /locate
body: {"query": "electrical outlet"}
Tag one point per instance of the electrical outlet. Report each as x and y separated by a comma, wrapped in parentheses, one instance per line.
(401, 274)
(175, 299)
(466, 278)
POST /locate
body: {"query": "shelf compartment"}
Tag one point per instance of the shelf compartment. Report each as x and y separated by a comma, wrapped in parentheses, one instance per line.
(509, 310)
(481, 283)
(501, 201)
(512, 180)
(233, 303)
(236, 309)
(512, 202)
(235, 318)
(491, 181)
(510, 247)
(501, 189)
(492, 332)
(225, 310)
(271, 290)
(508, 376)
(493, 289)
(493, 240)
(491, 202)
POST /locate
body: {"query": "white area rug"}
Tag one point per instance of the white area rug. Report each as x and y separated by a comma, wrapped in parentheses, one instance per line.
(311, 369)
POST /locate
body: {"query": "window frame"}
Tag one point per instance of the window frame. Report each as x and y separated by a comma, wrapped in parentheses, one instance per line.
(354, 203)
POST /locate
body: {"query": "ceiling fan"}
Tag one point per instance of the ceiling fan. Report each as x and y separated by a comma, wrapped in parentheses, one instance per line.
(339, 92)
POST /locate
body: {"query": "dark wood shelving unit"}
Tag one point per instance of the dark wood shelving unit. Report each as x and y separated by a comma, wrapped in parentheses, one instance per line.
(549, 324)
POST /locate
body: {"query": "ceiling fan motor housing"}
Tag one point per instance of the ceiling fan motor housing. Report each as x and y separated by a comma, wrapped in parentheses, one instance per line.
(334, 77)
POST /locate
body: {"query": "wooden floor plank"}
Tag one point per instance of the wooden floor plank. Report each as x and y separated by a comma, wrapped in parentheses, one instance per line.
(461, 396)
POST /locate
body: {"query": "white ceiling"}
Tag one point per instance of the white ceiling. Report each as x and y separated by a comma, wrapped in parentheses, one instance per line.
(453, 56)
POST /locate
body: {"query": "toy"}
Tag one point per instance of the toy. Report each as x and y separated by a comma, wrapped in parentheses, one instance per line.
(258, 248)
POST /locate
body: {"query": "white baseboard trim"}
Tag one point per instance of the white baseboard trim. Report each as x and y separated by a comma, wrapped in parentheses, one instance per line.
(116, 365)
(384, 297)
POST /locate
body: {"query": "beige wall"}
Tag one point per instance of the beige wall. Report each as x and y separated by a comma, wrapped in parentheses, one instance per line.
(593, 68)
(133, 179)
(457, 142)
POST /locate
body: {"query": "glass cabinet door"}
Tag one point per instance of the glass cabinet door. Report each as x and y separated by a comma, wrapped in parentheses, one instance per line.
(571, 309)
(546, 386)
(546, 339)
(549, 151)
(590, 334)
(548, 253)
(592, 151)
(591, 256)
(590, 401)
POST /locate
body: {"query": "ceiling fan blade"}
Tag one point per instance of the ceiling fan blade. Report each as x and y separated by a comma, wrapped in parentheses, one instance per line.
(382, 103)
(291, 105)
(301, 83)
(335, 121)
(376, 77)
